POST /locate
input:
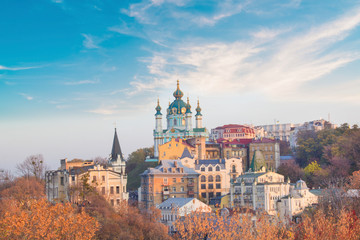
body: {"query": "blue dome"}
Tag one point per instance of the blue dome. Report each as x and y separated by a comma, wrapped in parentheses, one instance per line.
(178, 106)
(178, 94)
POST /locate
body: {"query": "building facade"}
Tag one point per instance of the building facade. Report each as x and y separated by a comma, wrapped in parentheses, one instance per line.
(66, 183)
(268, 149)
(259, 191)
(215, 175)
(170, 179)
(232, 131)
(179, 122)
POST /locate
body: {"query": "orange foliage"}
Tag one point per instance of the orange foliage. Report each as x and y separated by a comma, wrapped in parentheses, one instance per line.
(322, 227)
(199, 225)
(39, 219)
(355, 180)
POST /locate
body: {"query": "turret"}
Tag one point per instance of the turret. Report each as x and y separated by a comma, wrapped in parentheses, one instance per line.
(116, 158)
(188, 125)
(198, 116)
(158, 139)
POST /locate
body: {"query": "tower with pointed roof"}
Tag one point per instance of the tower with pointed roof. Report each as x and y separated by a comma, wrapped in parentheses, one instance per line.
(116, 159)
(179, 121)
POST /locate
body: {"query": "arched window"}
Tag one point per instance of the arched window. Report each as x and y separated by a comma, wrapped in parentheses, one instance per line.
(210, 178)
(217, 168)
(210, 169)
(218, 178)
(233, 169)
(175, 122)
(203, 178)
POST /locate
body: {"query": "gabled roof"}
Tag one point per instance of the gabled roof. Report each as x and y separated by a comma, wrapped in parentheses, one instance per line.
(174, 202)
(116, 150)
(186, 154)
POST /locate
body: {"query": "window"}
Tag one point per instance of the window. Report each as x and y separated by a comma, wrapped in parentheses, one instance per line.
(233, 168)
(182, 180)
(270, 148)
(202, 169)
(218, 194)
(118, 201)
(218, 186)
(103, 178)
(62, 181)
(218, 178)
(210, 178)
(73, 178)
(203, 186)
(175, 122)
(111, 190)
(217, 168)
(174, 180)
(211, 186)
(117, 189)
(271, 157)
(174, 189)
(203, 178)
(124, 189)
(210, 169)
(165, 181)
(203, 195)
(182, 189)
(103, 190)
(211, 194)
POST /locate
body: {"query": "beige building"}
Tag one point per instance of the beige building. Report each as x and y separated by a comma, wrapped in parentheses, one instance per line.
(67, 183)
(170, 179)
(259, 191)
(269, 149)
(215, 175)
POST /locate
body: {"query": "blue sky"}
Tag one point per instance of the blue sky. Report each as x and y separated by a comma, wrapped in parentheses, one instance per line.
(70, 69)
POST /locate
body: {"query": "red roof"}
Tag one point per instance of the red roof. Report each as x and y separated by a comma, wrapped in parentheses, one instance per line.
(235, 127)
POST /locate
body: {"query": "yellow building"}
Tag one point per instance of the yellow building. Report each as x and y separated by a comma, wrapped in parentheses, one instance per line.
(174, 149)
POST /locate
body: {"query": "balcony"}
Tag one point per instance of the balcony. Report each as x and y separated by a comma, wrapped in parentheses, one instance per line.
(190, 184)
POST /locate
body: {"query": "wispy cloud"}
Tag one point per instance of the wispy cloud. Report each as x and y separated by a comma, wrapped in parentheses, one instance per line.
(26, 96)
(109, 110)
(2, 67)
(281, 66)
(90, 42)
(146, 12)
(82, 82)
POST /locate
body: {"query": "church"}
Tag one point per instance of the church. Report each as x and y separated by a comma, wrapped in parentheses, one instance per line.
(179, 122)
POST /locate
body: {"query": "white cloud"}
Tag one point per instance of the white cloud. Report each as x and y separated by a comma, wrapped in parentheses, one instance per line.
(82, 82)
(89, 42)
(276, 69)
(26, 96)
(2, 67)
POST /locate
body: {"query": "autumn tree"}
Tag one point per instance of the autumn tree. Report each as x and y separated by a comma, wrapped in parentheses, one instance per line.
(291, 170)
(33, 165)
(39, 219)
(124, 221)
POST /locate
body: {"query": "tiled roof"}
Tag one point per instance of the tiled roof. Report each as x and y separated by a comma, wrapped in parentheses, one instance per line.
(199, 129)
(169, 165)
(174, 202)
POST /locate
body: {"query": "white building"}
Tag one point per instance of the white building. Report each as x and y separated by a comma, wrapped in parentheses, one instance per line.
(174, 208)
(295, 203)
(179, 122)
(259, 190)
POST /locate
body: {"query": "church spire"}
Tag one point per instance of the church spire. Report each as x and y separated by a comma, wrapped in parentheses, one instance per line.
(158, 108)
(178, 94)
(116, 150)
(198, 109)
